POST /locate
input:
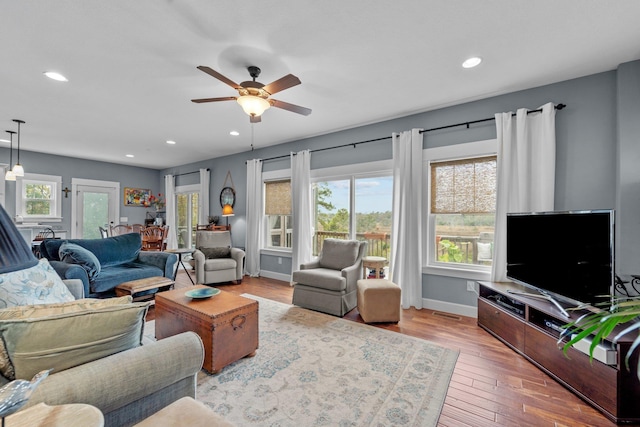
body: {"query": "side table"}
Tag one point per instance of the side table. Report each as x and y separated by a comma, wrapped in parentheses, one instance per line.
(374, 263)
(70, 415)
(180, 252)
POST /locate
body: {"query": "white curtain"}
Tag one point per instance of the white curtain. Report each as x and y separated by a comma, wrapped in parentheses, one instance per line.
(203, 198)
(170, 192)
(406, 232)
(526, 172)
(254, 235)
(301, 208)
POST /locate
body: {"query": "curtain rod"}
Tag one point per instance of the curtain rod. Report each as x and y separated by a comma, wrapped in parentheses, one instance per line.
(467, 124)
(187, 173)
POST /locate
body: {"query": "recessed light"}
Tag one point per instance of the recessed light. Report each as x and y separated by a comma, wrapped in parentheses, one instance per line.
(170, 142)
(130, 155)
(474, 61)
(55, 76)
(234, 133)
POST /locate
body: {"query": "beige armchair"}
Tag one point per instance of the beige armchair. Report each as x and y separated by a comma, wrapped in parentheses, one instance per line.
(329, 284)
(215, 260)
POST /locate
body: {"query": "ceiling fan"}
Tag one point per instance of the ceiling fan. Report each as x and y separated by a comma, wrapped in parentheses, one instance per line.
(254, 96)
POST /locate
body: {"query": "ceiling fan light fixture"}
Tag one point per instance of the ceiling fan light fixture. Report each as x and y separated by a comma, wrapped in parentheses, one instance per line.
(253, 105)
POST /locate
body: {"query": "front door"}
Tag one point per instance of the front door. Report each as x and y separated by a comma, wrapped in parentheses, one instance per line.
(96, 205)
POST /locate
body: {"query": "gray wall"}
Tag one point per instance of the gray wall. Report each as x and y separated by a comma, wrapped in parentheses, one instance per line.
(586, 137)
(69, 167)
(597, 158)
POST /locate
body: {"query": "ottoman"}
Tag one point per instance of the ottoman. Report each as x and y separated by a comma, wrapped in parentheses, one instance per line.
(378, 300)
(144, 289)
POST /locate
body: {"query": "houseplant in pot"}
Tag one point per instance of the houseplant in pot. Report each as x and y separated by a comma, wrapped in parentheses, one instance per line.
(599, 323)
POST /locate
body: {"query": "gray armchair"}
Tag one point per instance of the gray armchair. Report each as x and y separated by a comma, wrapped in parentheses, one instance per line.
(328, 284)
(215, 260)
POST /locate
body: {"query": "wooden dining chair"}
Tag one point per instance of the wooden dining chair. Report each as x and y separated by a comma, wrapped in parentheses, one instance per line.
(117, 230)
(137, 228)
(103, 232)
(154, 238)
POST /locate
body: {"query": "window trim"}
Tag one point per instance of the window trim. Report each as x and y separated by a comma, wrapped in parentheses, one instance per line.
(276, 175)
(438, 154)
(54, 180)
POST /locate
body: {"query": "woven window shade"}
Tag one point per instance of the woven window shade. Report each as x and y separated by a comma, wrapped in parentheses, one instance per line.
(278, 198)
(464, 186)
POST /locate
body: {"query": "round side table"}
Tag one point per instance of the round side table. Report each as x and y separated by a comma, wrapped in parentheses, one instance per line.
(373, 263)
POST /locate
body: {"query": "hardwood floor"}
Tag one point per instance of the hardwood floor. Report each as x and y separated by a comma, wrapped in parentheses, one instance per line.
(491, 386)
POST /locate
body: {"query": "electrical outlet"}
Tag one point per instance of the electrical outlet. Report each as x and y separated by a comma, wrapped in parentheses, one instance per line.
(279, 260)
(471, 286)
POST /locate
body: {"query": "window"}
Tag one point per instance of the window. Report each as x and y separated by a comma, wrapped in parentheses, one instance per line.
(37, 197)
(462, 200)
(277, 209)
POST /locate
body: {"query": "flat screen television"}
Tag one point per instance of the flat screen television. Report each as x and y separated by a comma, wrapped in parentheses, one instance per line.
(569, 255)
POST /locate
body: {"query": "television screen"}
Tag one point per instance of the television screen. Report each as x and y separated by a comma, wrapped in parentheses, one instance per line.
(568, 254)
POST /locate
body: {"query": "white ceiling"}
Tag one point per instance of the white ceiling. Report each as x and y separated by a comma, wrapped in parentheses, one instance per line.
(132, 71)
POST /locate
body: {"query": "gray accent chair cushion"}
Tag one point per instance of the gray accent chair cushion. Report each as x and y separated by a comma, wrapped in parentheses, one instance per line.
(329, 284)
(217, 270)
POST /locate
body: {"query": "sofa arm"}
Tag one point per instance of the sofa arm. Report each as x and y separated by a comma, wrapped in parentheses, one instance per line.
(76, 287)
(72, 271)
(238, 255)
(123, 378)
(163, 260)
(310, 265)
(198, 262)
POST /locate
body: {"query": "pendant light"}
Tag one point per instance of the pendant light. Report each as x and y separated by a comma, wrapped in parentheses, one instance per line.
(18, 170)
(9, 175)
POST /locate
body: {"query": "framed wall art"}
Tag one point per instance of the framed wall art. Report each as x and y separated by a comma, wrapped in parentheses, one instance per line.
(136, 196)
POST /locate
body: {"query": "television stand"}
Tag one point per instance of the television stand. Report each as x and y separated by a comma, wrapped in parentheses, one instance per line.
(531, 325)
(542, 295)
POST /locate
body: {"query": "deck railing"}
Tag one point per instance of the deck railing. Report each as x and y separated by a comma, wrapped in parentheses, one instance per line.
(379, 244)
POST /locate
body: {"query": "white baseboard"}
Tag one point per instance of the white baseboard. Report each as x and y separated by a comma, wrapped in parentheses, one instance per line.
(276, 276)
(450, 307)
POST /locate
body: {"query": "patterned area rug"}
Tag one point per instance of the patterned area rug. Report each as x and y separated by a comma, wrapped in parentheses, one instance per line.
(313, 369)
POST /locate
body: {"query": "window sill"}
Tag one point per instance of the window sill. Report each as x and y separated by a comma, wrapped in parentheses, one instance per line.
(457, 272)
(40, 219)
(276, 252)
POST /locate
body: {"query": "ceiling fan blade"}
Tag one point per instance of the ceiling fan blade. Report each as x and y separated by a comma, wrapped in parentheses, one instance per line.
(217, 75)
(291, 107)
(281, 84)
(254, 119)
(225, 98)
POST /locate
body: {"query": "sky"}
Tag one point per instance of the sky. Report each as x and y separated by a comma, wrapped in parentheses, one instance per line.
(372, 194)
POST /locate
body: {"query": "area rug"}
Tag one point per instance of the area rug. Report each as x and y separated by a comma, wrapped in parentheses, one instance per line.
(312, 369)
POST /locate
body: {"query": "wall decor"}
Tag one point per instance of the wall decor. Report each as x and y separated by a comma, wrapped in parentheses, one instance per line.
(136, 196)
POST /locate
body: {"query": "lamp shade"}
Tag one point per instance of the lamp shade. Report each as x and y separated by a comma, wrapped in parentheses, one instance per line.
(227, 210)
(9, 175)
(18, 170)
(253, 105)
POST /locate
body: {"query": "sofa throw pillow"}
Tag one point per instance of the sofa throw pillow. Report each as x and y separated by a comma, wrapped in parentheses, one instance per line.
(39, 284)
(67, 339)
(338, 254)
(212, 253)
(76, 254)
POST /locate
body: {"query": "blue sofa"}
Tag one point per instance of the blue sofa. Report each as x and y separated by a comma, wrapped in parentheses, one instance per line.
(121, 260)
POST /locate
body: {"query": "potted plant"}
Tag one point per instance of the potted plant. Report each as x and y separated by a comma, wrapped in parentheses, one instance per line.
(600, 322)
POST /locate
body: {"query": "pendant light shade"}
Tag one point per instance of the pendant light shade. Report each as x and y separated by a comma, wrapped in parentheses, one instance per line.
(18, 170)
(10, 175)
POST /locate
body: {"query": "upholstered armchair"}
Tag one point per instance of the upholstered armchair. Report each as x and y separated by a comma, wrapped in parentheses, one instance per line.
(215, 260)
(328, 284)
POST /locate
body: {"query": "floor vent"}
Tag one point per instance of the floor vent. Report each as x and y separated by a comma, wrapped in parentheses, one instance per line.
(447, 315)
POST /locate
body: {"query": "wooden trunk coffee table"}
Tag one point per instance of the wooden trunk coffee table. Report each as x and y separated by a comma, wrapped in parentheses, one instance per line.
(227, 324)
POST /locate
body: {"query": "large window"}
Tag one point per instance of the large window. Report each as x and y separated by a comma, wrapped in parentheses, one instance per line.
(462, 211)
(277, 208)
(37, 197)
(355, 207)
